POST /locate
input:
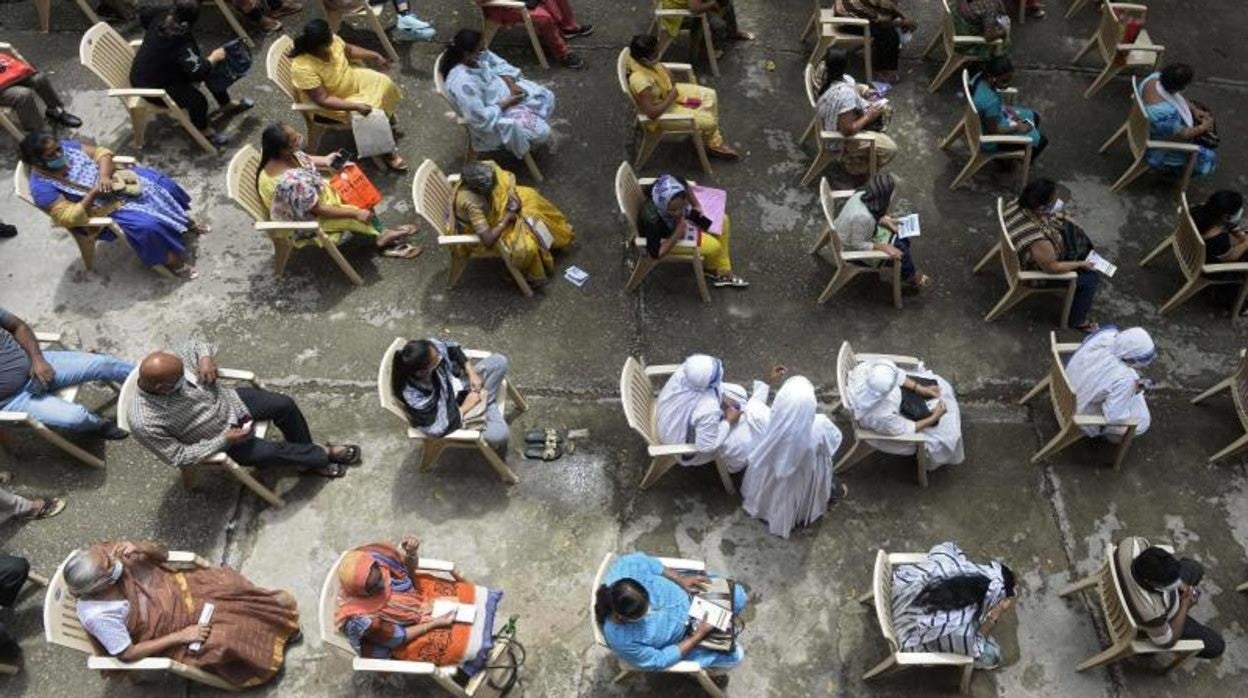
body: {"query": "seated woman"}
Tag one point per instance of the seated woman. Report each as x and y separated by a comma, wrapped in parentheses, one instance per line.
(665, 219)
(169, 59)
(321, 67)
(656, 94)
(1220, 221)
(292, 187)
(1173, 117)
(1048, 241)
(998, 119)
(74, 182)
(875, 400)
(748, 416)
(385, 608)
(135, 606)
(986, 18)
(502, 108)
(1103, 374)
(853, 110)
(864, 224)
(949, 604)
(554, 21)
(723, 18)
(489, 203)
(789, 479)
(689, 409)
(887, 24)
(643, 610)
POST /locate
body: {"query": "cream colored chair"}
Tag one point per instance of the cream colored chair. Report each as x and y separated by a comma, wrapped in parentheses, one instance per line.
(1135, 128)
(678, 125)
(433, 195)
(687, 668)
(832, 33)
(846, 360)
(703, 22)
(371, 14)
(8, 118)
(1189, 252)
(972, 131)
(317, 120)
(470, 153)
(951, 41)
(637, 396)
(825, 140)
(1126, 638)
(61, 627)
(13, 420)
(104, 52)
(489, 28)
(1075, 6)
(240, 184)
(1237, 384)
(468, 437)
(218, 461)
(43, 8)
(1065, 409)
(881, 597)
(849, 265)
(630, 197)
(1022, 284)
(1108, 40)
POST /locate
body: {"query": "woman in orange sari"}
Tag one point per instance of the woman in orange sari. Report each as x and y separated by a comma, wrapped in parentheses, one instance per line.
(385, 608)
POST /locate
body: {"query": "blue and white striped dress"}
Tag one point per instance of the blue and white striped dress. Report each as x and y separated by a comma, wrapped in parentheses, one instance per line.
(919, 630)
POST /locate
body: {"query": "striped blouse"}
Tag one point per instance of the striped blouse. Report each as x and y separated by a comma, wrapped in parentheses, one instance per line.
(957, 632)
(1027, 228)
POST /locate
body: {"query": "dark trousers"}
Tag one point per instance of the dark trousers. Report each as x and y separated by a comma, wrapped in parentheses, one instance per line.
(13, 571)
(1214, 644)
(907, 262)
(188, 96)
(885, 45)
(297, 450)
(1085, 291)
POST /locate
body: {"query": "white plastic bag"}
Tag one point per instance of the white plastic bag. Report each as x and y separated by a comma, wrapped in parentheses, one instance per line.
(372, 134)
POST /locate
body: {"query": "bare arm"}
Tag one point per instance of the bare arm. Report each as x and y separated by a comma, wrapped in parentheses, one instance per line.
(847, 125)
(160, 645)
(678, 234)
(322, 98)
(1046, 258)
(652, 106)
(358, 53)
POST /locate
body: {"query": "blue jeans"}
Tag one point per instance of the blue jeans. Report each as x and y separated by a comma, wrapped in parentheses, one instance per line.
(1085, 291)
(907, 262)
(72, 368)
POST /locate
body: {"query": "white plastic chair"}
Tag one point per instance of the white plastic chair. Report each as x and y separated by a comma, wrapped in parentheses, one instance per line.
(850, 265)
(949, 38)
(1021, 284)
(1189, 251)
(1135, 128)
(685, 126)
(371, 14)
(704, 28)
(831, 33)
(971, 129)
(1108, 40)
(317, 120)
(1237, 385)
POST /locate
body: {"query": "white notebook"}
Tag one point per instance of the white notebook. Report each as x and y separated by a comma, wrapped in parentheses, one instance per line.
(464, 612)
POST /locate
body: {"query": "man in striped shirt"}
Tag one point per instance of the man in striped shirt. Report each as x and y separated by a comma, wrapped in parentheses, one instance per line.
(1160, 590)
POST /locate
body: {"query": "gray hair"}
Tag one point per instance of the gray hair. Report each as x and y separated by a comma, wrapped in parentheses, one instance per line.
(478, 177)
(84, 575)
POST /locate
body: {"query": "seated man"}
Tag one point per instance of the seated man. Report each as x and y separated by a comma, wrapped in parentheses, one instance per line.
(643, 609)
(554, 22)
(29, 378)
(1160, 591)
(443, 391)
(21, 94)
(184, 415)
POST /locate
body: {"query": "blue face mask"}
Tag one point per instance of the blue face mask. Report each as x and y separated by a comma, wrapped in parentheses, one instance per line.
(55, 163)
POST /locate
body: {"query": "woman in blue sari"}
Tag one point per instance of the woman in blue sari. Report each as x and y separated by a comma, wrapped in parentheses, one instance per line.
(1171, 117)
(73, 182)
(502, 109)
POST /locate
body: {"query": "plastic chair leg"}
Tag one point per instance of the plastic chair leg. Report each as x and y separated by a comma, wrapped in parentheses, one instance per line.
(47, 434)
(992, 253)
(1165, 244)
(658, 468)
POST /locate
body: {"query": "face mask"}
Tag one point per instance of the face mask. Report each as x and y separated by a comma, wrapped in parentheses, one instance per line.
(115, 575)
(1234, 220)
(55, 163)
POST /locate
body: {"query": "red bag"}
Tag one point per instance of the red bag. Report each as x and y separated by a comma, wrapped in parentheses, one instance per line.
(353, 186)
(13, 70)
(1131, 27)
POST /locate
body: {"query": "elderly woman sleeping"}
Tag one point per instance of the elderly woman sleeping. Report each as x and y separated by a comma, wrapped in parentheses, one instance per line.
(135, 606)
(386, 609)
(1103, 374)
(877, 398)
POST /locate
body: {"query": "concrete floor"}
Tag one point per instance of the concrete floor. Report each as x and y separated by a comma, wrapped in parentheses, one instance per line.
(315, 336)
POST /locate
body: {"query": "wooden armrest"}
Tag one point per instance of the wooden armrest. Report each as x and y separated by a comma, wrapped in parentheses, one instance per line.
(838, 136)
(1225, 266)
(287, 225)
(930, 658)
(858, 256)
(1006, 140)
(135, 92)
(662, 370)
(394, 666)
(236, 374)
(672, 450)
(113, 664)
(135, 43)
(47, 337)
(428, 563)
(875, 436)
(99, 222)
(5, 46)
(906, 558)
(895, 358)
(1044, 276)
(669, 117)
(682, 564)
(459, 239)
(1173, 145)
(1187, 646)
(967, 40)
(8, 417)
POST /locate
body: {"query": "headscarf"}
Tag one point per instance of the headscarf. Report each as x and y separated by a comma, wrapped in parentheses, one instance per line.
(788, 444)
(870, 382)
(354, 600)
(1105, 361)
(1135, 347)
(693, 390)
(666, 188)
(878, 194)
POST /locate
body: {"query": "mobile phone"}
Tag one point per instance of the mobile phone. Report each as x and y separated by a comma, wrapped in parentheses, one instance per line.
(693, 102)
(205, 616)
(340, 159)
(699, 219)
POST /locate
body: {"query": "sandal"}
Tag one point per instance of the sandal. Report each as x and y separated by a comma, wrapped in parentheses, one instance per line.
(199, 228)
(549, 450)
(396, 164)
(1088, 327)
(919, 281)
(350, 454)
(539, 436)
(242, 105)
(185, 272)
(403, 250)
(734, 281)
(45, 509)
(333, 471)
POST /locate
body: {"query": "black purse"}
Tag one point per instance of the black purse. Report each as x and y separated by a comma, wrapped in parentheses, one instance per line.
(1076, 242)
(914, 406)
(236, 64)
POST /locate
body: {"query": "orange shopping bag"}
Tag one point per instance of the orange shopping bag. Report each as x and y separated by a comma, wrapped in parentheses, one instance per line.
(353, 186)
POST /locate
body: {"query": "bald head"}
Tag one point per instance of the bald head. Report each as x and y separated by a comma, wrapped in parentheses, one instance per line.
(160, 372)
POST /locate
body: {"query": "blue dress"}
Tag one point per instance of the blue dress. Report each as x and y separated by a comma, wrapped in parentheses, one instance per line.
(991, 107)
(1164, 121)
(154, 221)
(476, 92)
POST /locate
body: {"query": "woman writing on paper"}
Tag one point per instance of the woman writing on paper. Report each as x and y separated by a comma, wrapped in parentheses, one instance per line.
(672, 213)
(875, 400)
(864, 224)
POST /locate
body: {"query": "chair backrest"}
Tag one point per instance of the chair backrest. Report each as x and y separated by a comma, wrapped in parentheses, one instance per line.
(439, 82)
(827, 200)
(882, 588)
(593, 597)
(60, 616)
(1009, 255)
(129, 388)
(434, 198)
(1061, 395)
(385, 377)
(637, 397)
(1188, 243)
(621, 73)
(1137, 121)
(240, 182)
(948, 29)
(1110, 31)
(329, 606)
(629, 197)
(277, 66)
(104, 52)
(845, 362)
(811, 88)
(1122, 627)
(21, 183)
(971, 124)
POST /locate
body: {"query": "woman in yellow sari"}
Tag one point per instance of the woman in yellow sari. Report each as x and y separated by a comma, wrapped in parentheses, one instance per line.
(488, 203)
(657, 94)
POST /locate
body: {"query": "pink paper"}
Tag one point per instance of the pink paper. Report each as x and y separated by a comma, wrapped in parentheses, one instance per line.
(714, 202)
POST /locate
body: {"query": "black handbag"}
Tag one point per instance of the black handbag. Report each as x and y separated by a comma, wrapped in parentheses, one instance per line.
(914, 406)
(236, 64)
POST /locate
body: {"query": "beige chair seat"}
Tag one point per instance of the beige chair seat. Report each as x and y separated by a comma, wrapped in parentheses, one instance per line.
(849, 265)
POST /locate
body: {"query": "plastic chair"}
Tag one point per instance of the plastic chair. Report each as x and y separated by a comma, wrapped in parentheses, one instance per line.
(11, 420)
(630, 197)
(61, 627)
(1135, 128)
(1070, 423)
(846, 360)
(43, 8)
(849, 265)
(1237, 384)
(1021, 284)
(704, 28)
(218, 461)
(316, 119)
(1189, 252)
(951, 40)
(470, 153)
(1108, 40)
(684, 126)
(1126, 639)
(637, 397)
(489, 27)
(372, 17)
(824, 140)
(687, 668)
(104, 52)
(465, 436)
(831, 34)
(972, 130)
(881, 597)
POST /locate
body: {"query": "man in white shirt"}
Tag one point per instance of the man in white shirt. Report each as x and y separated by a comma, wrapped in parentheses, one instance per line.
(1160, 591)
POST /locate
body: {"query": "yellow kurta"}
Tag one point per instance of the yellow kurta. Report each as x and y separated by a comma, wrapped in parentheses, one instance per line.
(705, 115)
(333, 227)
(343, 80)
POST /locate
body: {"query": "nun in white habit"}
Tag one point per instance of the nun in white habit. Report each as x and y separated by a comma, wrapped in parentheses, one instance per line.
(735, 453)
(789, 478)
(689, 409)
(874, 398)
(1102, 372)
